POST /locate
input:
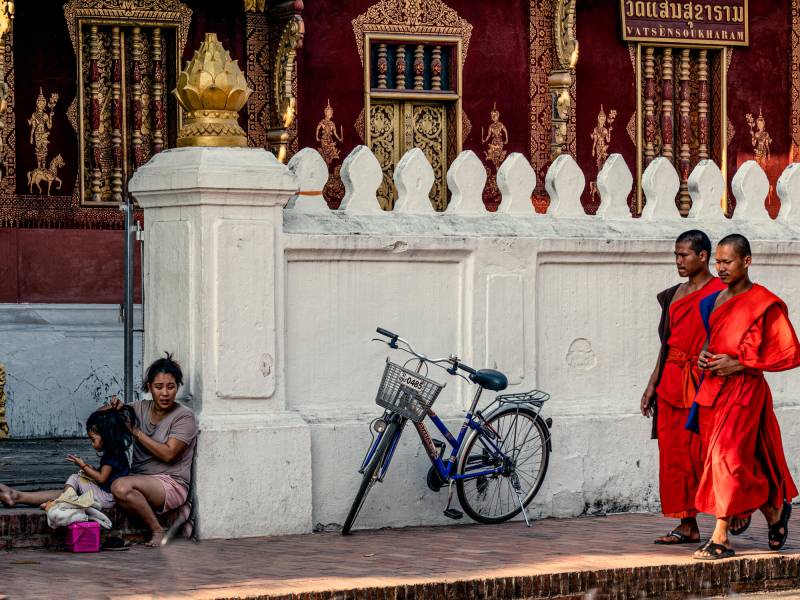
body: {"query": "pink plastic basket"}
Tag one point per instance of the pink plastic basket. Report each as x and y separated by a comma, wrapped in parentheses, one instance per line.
(83, 537)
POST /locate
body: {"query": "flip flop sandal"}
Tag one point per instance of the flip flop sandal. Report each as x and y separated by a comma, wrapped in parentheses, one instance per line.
(774, 533)
(116, 544)
(743, 528)
(715, 552)
(675, 537)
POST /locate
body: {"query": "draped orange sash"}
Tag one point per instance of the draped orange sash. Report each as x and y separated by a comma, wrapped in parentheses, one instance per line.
(690, 373)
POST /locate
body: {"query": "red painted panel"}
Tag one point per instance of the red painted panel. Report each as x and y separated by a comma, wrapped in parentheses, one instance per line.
(496, 70)
(8, 265)
(71, 265)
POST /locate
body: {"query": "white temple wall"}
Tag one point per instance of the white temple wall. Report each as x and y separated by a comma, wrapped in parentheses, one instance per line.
(271, 311)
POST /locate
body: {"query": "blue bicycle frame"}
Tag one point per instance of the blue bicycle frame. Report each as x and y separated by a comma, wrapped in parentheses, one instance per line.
(444, 469)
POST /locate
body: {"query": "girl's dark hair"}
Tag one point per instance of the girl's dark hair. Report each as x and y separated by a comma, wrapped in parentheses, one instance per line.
(163, 365)
(112, 426)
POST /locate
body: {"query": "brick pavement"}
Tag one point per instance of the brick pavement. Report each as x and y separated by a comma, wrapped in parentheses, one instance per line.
(614, 556)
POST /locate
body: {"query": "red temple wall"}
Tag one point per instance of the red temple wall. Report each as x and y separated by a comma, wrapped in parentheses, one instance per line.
(495, 70)
(759, 77)
(62, 266)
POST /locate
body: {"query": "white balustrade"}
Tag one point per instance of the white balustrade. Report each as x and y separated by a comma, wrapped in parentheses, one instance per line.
(311, 172)
(565, 182)
(466, 179)
(660, 183)
(413, 177)
(789, 192)
(614, 182)
(361, 176)
(706, 187)
(750, 186)
(516, 180)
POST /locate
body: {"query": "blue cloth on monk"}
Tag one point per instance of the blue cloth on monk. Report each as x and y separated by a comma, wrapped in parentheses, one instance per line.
(706, 308)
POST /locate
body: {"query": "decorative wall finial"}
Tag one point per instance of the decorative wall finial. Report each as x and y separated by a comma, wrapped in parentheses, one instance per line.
(212, 89)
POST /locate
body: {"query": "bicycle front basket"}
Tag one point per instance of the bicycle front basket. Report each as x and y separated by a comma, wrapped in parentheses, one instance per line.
(406, 392)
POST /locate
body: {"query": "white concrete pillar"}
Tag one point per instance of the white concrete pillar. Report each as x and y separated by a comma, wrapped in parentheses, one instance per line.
(706, 187)
(660, 183)
(615, 182)
(214, 294)
(516, 180)
(466, 179)
(564, 183)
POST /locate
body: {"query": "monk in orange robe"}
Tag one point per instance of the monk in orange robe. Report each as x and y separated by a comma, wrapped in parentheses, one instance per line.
(671, 389)
(744, 466)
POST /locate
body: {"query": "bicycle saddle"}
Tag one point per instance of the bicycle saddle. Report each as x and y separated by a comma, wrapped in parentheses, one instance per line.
(490, 379)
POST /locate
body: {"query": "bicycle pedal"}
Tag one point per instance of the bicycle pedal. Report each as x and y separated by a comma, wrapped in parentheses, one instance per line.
(452, 513)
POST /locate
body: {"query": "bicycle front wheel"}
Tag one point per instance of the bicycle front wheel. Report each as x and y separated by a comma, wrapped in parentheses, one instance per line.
(523, 438)
(370, 475)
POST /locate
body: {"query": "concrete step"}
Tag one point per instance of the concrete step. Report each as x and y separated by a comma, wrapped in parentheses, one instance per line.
(28, 528)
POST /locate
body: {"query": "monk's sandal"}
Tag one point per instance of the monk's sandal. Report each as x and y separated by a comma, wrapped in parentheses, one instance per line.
(775, 534)
(714, 551)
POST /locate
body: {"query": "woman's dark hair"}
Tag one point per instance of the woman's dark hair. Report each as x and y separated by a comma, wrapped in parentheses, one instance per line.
(163, 365)
(112, 426)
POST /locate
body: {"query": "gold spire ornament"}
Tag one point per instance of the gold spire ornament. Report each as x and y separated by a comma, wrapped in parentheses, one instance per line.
(212, 90)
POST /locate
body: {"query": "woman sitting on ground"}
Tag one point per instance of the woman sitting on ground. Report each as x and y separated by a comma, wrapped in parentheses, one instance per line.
(163, 450)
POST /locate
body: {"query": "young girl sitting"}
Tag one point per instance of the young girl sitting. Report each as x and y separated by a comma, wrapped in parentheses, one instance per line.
(111, 438)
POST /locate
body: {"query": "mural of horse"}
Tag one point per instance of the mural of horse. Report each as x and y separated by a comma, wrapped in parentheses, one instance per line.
(39, 176)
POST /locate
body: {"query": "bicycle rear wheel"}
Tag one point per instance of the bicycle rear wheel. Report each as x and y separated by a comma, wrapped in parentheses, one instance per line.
(523, 437)
(370, 475)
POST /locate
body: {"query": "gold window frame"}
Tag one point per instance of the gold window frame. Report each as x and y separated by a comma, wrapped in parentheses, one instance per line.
(79, 14)
(723, 120)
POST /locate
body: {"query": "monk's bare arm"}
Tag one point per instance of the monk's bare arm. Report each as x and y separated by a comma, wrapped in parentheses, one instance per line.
(649, 397)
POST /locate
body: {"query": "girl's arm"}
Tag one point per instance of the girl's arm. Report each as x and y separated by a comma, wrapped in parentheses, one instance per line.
(100, 476)
(167, 452)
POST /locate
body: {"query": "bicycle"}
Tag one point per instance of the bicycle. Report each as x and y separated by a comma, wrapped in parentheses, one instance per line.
(498, 459)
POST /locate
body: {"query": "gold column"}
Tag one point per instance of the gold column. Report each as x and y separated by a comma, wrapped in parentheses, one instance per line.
(96, 184)
(649, 106)
(136, 94)
(400, 67)
(702, 104)
(3, 401)
(158, 91)
(419, 67)
(116, 114)
(667, 93)
(436, 68)
(383, 66)
(684, 200)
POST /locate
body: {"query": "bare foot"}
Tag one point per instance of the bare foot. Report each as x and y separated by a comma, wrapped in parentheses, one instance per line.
(157, 540)
(8, 496)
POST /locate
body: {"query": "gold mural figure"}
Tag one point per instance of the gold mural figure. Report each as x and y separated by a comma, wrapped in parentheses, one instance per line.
(760, 138)
(497, 139)
(601, 136)
(328, 137)
(41, 123)
(3, 400)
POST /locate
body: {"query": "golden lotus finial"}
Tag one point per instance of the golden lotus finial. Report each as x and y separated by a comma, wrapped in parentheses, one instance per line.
(212, 90)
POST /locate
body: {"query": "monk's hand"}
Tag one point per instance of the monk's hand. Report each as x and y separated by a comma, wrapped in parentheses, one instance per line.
(648, 401)
(704, 359)
(724, 365)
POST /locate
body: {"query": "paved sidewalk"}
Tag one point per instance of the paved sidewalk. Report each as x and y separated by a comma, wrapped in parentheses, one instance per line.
(499, 561)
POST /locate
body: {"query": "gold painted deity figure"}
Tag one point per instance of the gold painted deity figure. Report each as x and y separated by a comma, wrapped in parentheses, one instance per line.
(497, 139)
(601, 136)
(760, 138)
(328, 137)
(41, 123)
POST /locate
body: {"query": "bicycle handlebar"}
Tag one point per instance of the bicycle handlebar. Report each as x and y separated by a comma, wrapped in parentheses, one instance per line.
(451, 360)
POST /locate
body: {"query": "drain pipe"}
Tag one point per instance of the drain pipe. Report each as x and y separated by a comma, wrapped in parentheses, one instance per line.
(127, 310)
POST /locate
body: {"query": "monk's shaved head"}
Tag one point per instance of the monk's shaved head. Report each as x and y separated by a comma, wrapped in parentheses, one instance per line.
(697, 240)
(738, 242)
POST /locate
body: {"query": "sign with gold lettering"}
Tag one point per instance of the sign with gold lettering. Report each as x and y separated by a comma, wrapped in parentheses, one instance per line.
(699, 22)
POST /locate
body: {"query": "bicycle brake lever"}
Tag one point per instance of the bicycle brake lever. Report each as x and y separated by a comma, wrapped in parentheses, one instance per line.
(392, 343)
(453, 368)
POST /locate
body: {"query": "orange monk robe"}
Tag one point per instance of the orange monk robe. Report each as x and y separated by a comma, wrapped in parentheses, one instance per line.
(680, 464)
(744, 465)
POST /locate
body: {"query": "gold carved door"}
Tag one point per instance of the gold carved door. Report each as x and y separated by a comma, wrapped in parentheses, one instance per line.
(398, 126)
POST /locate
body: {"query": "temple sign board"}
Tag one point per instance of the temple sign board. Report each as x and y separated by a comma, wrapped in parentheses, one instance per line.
(700, 22)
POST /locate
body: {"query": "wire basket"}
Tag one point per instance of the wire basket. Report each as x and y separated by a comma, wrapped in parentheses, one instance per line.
(406, 392)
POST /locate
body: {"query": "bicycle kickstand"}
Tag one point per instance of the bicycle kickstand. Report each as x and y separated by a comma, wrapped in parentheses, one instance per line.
(518, 490)
(451, 513)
